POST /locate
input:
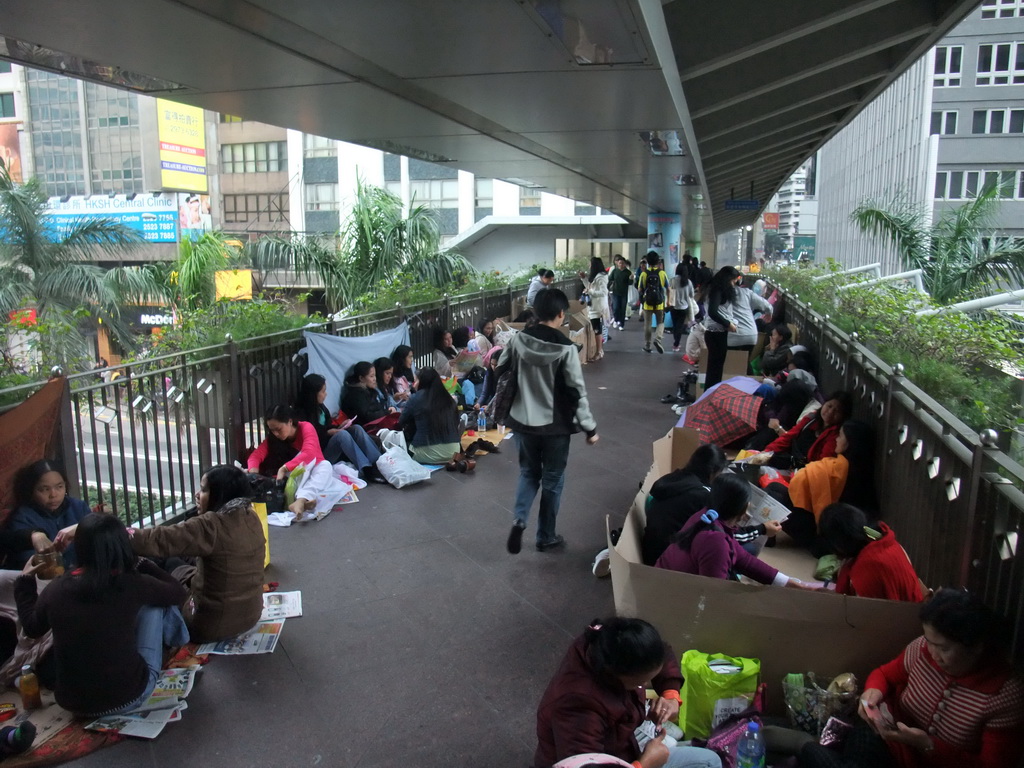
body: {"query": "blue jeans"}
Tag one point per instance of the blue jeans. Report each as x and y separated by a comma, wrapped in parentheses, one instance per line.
(619, 308)
(692, 757)
(354, 445)
(155, 628)
(542, 460)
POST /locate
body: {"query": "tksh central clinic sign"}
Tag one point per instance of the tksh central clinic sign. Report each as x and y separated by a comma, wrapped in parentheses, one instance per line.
(182, 134)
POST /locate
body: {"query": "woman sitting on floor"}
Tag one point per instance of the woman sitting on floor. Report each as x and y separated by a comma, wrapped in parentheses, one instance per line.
(386, 386)
(433, 419)
(675, 497)
(351, 444)
(111, 618)
(44, 506)
(484, 338)
(848, 477)
(404, 374)
(362, 400)
(776, 354)
(874, 563)
(595, 701)
(706, 547)
(813, 437)
(953, 695)
(291, 443)
(226, 584)
(444, 352)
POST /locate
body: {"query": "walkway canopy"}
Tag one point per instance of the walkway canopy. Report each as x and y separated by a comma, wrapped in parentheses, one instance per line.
(632, 105)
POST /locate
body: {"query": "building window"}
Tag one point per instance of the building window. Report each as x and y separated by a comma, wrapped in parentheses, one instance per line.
(948, 61)
(965, 185)
(321, 197)
(1000, 64)
(484, 193)
(395, 188)
(1002, 9)
(318, 146)
(230, 119)
(944, 123)
(5, 66)
(248, 208)
(435, 193)
(264, 157)
(7, 105)
(998, 121)
(529, 198)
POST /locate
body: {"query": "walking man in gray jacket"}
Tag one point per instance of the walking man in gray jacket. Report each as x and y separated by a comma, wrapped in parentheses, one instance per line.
(549, 407)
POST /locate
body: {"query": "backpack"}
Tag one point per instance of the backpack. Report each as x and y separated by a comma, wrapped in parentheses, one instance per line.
(654, 292)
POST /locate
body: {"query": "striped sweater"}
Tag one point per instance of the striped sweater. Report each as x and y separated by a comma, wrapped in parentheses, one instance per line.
(975, 721)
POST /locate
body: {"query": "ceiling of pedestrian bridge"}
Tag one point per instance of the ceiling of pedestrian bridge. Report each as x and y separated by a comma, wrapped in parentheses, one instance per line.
(561, 93)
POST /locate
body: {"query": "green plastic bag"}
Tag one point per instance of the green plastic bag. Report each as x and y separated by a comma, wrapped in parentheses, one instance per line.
(293, 484)
(715, 687)
(827, 568)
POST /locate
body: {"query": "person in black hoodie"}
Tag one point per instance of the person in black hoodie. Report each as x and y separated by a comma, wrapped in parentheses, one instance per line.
(677, 496)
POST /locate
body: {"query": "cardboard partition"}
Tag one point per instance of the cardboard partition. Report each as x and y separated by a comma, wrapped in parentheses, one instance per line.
(674, 449)
(735, 365)
(788, 630)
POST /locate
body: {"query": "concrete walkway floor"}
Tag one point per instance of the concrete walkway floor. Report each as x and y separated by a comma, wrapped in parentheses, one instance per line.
(424, 644)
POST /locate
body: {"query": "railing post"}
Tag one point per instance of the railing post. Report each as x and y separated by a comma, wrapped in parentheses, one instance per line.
(65, 438)
(851, 350)
(231, 402)
(446, 311)
(988, 440)
(887, 436)
(400, 311)
(509, 296)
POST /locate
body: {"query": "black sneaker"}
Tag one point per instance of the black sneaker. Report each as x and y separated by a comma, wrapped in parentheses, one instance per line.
(658, 346)
(515, 539)
(556, 543)
(647, 350)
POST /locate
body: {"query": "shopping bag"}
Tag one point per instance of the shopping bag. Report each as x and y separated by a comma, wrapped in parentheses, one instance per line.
(810, 706)
(292, 484)
(398, 468)
(261, 512)
(716, 687)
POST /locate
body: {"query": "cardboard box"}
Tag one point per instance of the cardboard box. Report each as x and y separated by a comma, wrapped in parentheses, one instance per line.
(735, 365)
(788, 630)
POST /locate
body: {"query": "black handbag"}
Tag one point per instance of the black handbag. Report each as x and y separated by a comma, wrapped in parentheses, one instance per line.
(504, 395)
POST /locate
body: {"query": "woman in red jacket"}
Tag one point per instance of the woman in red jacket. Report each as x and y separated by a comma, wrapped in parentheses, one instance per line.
(950, 700)
(595, 702)
(874, 563)
(813, 437)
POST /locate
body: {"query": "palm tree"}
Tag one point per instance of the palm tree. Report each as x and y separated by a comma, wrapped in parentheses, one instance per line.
(958, 254)
(51, 268)
(378, 243)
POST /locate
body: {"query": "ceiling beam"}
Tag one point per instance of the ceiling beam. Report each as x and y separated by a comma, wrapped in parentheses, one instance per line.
(783, 38)
(761, 136)
(883, 68)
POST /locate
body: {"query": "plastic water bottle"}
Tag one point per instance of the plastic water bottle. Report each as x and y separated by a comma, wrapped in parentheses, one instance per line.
(750, 750)
(481, 421)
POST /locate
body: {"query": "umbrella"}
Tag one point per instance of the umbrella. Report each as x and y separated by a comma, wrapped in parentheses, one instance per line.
(722, 414)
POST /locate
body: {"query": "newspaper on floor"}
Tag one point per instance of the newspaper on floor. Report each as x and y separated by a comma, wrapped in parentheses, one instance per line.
(142, 725)
(281, 605)
(260, 639)
(349, 498)
(171, 688)
(763, 508)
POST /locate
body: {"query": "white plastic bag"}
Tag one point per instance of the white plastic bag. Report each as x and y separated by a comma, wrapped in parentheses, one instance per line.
(399, 468)
(393, 438)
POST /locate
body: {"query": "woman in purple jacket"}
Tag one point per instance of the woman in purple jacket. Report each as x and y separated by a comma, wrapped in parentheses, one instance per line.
(705, 545)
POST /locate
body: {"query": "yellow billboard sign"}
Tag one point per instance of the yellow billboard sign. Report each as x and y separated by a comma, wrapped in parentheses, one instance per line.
(182, 135)
(233, 283)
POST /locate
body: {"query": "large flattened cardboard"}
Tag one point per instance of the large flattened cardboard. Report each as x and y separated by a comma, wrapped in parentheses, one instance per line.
(788, 630)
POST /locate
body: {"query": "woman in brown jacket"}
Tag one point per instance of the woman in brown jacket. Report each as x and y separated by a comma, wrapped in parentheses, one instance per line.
(226, 586)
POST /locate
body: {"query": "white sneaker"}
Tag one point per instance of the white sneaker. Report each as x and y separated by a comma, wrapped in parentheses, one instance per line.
(602, 564)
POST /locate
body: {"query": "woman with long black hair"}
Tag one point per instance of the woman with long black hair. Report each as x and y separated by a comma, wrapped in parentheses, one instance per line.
(352, 443)
(720, 322)
(404, 374)
(431, 413)
(111, 618)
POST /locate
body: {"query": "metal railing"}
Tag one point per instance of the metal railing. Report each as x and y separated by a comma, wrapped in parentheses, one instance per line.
(139, 442)
(954, 498)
